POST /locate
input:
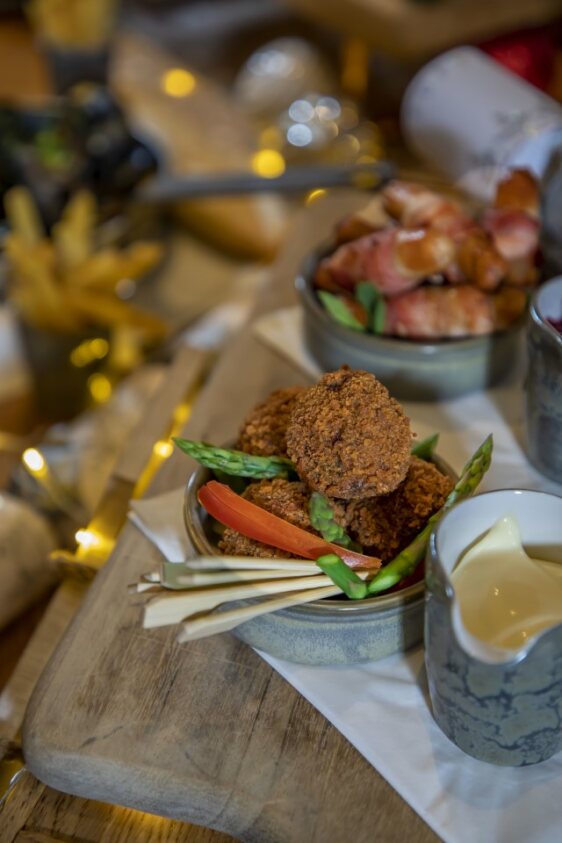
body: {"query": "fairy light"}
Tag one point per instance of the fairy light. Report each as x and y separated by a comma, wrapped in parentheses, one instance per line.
(163, 449)
(181, 415)
(100, 388)
(92, 545)
(178, 82)
(89, 351)
(268, 163)
(34, 461)
(87, 539)
(314, 195)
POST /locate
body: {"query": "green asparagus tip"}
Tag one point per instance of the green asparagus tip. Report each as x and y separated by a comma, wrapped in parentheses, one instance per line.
(236, 463)
(323, 520)
(426, 447)
(342, 576)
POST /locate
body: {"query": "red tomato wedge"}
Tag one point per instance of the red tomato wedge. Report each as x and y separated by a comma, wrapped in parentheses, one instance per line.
(255, 523)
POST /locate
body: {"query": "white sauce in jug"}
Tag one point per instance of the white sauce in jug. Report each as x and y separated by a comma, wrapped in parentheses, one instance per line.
(505, 596)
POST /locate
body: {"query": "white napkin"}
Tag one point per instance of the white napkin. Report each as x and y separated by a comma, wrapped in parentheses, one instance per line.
(382, 707)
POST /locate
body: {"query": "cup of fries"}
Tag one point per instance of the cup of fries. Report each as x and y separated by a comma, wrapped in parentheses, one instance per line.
(65, 292)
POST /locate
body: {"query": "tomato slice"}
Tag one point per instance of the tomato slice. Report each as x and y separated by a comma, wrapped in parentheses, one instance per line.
(255, 523)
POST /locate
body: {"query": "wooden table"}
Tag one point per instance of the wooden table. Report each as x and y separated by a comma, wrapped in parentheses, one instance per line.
(207, 732)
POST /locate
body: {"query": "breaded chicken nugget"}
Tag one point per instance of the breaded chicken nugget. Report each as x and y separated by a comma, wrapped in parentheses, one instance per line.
(348, 438)
(385, 525)
(283, 498)
(264, 429)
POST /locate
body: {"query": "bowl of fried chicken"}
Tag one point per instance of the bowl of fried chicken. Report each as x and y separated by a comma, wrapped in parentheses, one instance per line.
(329, 476)
(425, 294)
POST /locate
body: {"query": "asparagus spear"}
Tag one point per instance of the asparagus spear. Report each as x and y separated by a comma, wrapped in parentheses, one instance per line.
(322, 519)
(342, 576)
(408, 559)
(425, 449)
(237, 463)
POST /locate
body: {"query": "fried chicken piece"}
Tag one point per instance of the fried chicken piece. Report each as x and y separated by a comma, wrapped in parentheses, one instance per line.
(264, 429)
(284, 498)
(348, 438)
(385, 525)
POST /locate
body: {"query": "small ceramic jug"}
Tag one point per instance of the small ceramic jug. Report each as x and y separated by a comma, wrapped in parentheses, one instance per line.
(500, 706)
(544, 380)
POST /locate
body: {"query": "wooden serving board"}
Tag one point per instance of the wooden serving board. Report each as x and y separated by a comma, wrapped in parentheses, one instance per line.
(205, 732)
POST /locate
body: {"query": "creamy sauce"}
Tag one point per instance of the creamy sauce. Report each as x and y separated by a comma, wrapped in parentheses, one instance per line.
(505, 596)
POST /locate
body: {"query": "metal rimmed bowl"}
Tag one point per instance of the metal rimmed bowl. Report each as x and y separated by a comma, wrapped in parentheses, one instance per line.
(330, 631)
(411, 370)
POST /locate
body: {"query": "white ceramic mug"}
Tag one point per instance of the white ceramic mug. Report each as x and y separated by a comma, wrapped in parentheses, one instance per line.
(471, 119)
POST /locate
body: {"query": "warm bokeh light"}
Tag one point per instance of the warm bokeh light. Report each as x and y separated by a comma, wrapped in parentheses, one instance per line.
(181, 415)
(271, 138)
(314, 195)
(100, 388)
(268, 163)
(178, 82)
(163, 449)
(87, 539)
(34, 461)
(89, 351)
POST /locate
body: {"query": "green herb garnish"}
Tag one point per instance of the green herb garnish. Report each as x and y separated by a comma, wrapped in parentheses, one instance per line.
(339, 311)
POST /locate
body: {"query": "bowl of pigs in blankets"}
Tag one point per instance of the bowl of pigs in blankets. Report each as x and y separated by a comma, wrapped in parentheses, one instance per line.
(429, 297)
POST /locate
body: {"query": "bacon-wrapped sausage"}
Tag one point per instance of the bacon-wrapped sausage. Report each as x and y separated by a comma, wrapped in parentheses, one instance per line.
(394, 260)
(516, 237)
(440, 312)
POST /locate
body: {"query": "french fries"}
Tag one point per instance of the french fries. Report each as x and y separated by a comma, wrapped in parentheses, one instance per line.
(73, 236)
(23, 216)
(62, 284)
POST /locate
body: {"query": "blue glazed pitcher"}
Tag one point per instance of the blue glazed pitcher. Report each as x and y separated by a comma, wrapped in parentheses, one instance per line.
(503, 706)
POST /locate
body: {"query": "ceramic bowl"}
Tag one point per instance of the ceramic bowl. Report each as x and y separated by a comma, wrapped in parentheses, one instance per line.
(500, 706)
(330, 631)
(411, 370)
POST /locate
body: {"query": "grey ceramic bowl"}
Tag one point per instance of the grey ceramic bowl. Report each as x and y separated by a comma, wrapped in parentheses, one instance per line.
(411, 370)
(503, 707)
(332, 631)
